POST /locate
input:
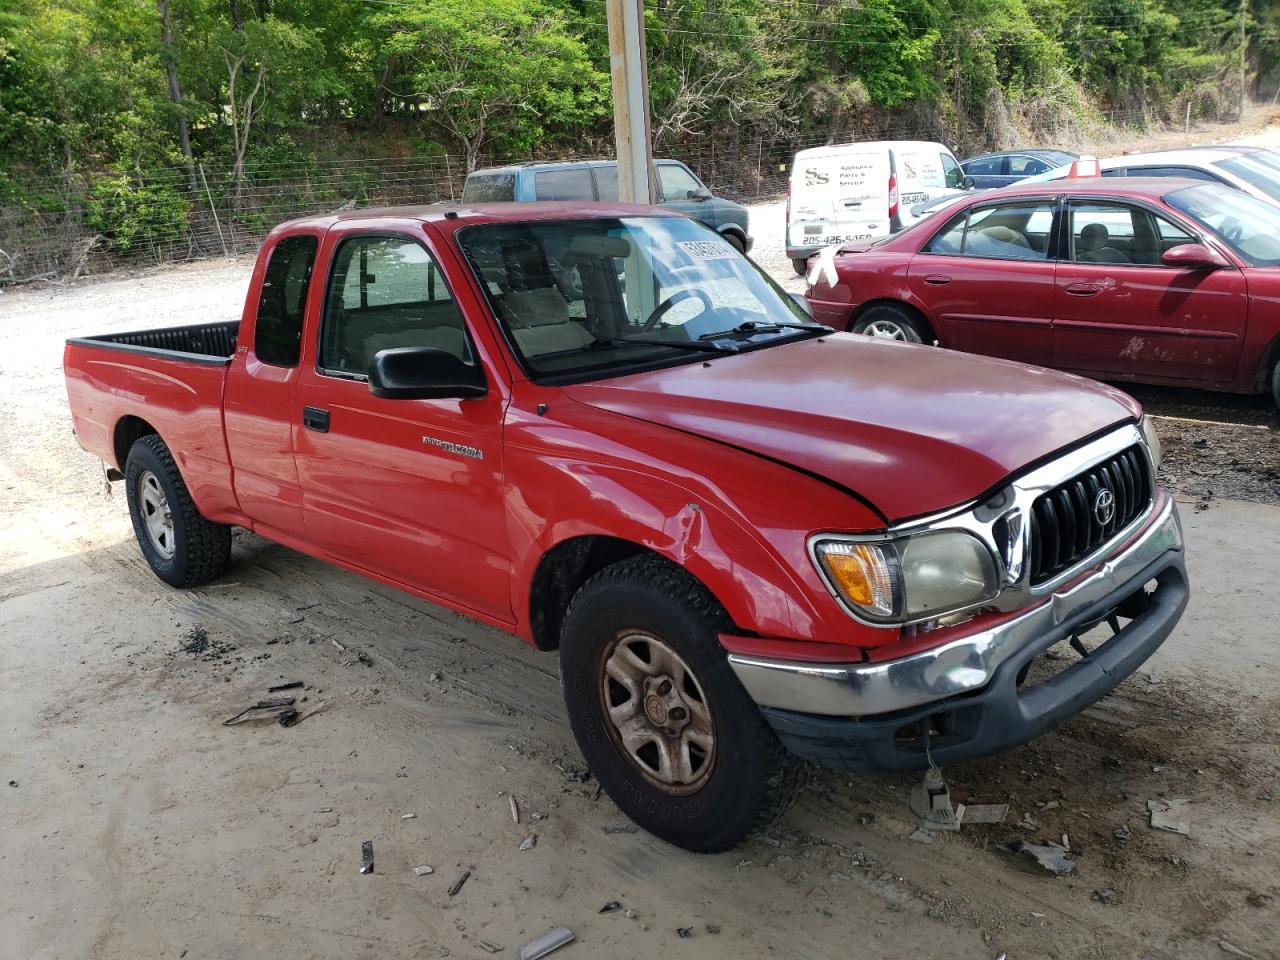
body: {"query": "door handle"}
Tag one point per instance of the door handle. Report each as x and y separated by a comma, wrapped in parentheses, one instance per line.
(313, 418)
(937, 279)
(1083, 289)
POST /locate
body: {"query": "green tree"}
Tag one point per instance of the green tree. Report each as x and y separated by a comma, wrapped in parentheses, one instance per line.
(505, 72)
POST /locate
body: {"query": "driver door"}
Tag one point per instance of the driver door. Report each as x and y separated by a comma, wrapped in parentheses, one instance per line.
(411, 490)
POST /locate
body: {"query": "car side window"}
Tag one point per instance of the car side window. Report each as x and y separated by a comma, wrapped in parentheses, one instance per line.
(564, 184)
(607, 182)
(1120, 234)
(1189, 173)
(386, 292)
(986, 167)
(277, 333)
(1008, 231)
(1026, 166)
(677, 182)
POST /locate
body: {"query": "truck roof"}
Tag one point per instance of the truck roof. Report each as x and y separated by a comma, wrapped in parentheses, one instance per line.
(460, 214)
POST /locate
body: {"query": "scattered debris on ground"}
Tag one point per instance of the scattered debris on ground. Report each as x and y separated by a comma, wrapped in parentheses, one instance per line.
(613, 906)
(1051, 856)
(291, 685)
(547, 943)
(457, 884)
(366, 857)
(1168, 815)
(515, 809)
(984, 812)
(276, 708)
(422, 870)
(930, 802)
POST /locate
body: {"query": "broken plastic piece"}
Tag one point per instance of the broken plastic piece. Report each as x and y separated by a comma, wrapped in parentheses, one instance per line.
(488, 947)
(613, 906)
(515, 808)
(547, 943)
(529, 842)
(422, 870)
(457, 884)
(275, 703)
(1166, 815)
(931, 803)
(1049, 855)
(985, 812)
(366, 857)
(291, 685)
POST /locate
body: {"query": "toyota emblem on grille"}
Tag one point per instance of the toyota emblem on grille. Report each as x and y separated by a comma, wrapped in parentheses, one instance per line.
(1104, 506)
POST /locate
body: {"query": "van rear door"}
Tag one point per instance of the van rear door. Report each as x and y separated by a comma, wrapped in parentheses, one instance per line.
(923, 172)
(838, 196)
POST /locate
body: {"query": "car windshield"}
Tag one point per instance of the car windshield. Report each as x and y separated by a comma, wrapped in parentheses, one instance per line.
(583, 298)
(1244, 223)
(1257, 173)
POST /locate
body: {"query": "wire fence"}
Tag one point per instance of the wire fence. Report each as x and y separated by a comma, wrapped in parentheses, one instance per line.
(62, 228)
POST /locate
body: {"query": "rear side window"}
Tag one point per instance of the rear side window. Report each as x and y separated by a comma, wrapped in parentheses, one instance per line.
(988, 167)
(677, 182)
(607, 182)
(386, 292)
(1190, 173)
(1012, 231)
(563, 184)
(277, 334)
(489, 188)
(1116, 233)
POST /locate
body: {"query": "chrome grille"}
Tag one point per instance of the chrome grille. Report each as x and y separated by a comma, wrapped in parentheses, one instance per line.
(1067, 523)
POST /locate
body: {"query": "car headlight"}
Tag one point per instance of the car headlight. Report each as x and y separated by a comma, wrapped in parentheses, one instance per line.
(1153, 441)
(909, 578)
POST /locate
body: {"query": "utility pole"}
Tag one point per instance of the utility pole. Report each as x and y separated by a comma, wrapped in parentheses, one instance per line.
(1244, 50)
(630, 78)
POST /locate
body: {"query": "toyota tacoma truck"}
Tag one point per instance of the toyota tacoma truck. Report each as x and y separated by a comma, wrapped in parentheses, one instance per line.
(750, 539)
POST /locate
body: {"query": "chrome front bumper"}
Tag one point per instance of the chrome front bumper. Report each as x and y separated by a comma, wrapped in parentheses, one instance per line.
(960, 666)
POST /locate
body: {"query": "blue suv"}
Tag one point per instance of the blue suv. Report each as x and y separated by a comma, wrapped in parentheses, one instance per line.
(678, 187)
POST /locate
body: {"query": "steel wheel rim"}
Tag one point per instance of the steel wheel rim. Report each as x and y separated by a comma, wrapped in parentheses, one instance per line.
(157, 518)
(657, 713)
(885, 330)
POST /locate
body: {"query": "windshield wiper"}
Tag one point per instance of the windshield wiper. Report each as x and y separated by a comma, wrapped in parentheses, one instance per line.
(701, 344)
(770, 326)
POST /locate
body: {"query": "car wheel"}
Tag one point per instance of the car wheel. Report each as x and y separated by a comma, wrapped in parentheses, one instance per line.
(735, 241)
(662, 721)
(890, 322)
(182, 548)
(1275, 384)
(800, 265)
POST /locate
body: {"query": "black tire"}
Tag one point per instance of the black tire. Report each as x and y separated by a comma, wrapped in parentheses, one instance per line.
(748, 776)
(1275, 384)
(890, 316)
(736, 242)
(200, 549)
(800, 265)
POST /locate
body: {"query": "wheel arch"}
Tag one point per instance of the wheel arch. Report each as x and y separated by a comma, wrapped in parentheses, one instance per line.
(1270, 357)
(564, 568)
(129, 430)
(911, 308)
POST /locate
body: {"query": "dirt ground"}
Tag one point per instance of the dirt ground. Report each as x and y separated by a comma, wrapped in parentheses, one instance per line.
(138, 825)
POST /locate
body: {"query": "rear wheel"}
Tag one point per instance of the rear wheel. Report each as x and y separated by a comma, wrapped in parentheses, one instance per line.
(735, 241)
(800, 265)
(1275, 384)
(889, 321)
(662, 721)
(182, 548)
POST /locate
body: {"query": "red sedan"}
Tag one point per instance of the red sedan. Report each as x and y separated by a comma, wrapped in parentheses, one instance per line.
(1153, 280)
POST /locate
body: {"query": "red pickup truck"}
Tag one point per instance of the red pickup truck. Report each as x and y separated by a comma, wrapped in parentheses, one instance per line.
(750, 539)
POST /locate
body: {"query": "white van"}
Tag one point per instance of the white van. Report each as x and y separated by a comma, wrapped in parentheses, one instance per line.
(862, 191)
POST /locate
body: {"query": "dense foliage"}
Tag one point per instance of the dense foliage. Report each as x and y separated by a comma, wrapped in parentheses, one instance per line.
(115, 86)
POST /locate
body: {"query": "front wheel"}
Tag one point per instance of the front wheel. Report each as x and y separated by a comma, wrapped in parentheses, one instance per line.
(800, 265)
(659, 715)
(182, 548)
(1275, 384)
(891, 322)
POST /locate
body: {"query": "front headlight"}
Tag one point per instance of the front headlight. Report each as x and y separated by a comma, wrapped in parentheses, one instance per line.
(1153, 441)
(908, 578)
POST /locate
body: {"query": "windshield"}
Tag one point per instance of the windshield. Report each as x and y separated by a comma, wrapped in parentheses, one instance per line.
(599, 296)
(1244, 223)
(1258, 174)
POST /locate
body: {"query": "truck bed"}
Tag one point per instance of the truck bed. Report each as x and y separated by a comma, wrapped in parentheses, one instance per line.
(200, 342)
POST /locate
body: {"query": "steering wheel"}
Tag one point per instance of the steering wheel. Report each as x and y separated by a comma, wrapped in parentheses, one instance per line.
(1231, 229)
(665, 306)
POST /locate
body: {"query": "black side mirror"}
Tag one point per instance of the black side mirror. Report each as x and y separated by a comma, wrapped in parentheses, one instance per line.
(966, 183)
(423, 373)
(701, 193)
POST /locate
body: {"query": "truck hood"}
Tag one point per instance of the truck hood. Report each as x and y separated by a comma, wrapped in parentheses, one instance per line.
(911, 429)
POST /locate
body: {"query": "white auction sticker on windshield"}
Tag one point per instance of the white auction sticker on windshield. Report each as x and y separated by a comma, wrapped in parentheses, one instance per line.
(708, 249)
